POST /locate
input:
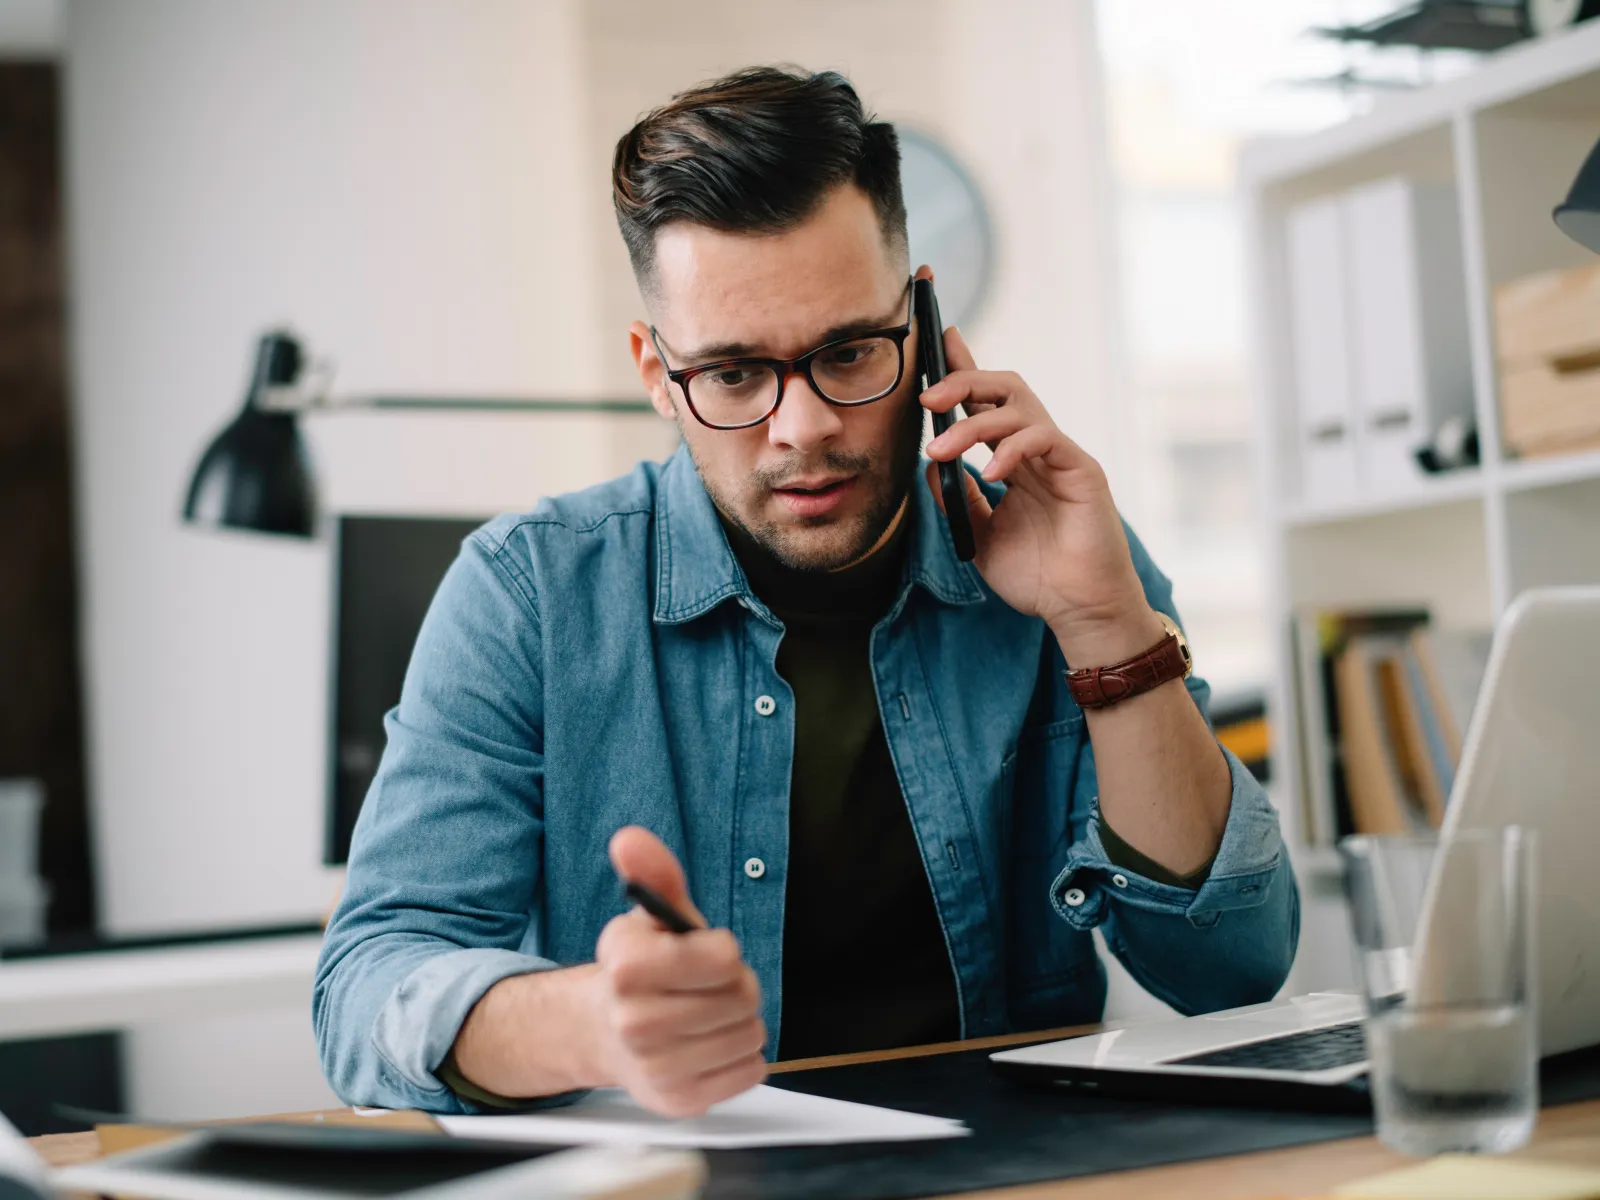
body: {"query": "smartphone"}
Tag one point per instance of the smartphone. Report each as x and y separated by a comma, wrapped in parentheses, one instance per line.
(930, 352)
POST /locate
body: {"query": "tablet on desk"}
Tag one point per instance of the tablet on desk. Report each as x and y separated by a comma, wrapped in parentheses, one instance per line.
(303, 1162)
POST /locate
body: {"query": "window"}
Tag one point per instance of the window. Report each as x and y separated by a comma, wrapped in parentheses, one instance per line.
(1186, 84)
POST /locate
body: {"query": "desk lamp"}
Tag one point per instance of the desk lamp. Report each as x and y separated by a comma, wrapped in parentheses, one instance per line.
(1579, 217)
(256, 475)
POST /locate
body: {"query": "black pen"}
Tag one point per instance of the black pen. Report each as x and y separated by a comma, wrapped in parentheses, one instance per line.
(657, 907)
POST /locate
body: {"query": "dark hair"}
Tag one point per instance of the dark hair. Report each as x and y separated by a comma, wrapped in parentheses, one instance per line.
(753, 152)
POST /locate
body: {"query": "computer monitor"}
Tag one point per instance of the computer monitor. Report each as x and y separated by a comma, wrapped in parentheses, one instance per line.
(386, 571)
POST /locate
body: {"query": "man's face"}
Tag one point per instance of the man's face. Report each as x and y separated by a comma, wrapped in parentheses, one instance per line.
(816, 484)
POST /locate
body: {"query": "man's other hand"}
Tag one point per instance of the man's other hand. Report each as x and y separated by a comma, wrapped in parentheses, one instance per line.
(678, 1015)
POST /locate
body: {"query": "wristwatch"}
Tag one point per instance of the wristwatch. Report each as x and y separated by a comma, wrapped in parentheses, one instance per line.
(1168, 659)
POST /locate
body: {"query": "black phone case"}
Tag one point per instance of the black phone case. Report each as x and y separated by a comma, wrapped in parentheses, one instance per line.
(930, 352)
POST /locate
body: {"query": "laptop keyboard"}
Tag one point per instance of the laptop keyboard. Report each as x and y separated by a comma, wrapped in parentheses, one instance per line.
(1314, 1050)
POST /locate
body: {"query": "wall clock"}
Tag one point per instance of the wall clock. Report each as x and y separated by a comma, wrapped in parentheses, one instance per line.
(947, 224)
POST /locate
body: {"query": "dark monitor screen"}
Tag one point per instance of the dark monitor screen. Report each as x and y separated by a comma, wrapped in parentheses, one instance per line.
(387, 571)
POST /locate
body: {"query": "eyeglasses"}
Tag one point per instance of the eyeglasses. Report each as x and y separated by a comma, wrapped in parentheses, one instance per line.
(737, 393)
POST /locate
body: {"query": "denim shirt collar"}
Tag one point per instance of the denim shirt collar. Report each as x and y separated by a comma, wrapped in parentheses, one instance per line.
(696, 569)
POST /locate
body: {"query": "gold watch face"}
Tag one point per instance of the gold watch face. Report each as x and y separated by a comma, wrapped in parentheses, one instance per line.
(1171, 627)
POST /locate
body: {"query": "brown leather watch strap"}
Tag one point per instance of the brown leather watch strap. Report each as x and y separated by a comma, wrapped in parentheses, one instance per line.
(1101, 687)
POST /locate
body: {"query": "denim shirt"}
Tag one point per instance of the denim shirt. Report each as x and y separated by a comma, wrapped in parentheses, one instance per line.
(602, 661)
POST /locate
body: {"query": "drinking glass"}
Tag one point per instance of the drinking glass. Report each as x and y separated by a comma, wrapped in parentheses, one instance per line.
(1444, 952)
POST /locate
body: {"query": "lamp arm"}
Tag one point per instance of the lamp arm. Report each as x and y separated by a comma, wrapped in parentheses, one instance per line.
(311, 389)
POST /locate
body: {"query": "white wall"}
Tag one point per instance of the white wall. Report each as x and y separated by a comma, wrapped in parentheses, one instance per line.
(393, 179)
(247, 1064)
(30, 28)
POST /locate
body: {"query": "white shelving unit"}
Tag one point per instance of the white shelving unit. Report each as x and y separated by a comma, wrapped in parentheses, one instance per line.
(79, 993)
(1510, 137)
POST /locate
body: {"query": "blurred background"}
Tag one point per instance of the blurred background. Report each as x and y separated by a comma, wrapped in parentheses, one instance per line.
(417, 191)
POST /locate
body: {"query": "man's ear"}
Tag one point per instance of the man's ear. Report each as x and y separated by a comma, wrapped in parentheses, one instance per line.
(652, 371)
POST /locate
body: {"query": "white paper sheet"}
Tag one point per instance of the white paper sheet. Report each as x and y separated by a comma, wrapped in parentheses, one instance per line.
(21, 1170)
(763, 1116)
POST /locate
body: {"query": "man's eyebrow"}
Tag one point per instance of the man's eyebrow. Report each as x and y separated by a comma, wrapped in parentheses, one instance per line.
(718, 351)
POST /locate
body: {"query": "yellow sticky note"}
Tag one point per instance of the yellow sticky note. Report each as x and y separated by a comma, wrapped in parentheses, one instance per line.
(1471, 1177)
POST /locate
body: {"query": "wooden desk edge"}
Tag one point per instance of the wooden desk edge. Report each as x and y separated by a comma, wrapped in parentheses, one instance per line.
(63, 1149)
(1569, 1132)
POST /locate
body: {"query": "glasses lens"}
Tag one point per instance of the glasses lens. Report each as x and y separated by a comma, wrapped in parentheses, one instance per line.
(856, 371)
(734, 394)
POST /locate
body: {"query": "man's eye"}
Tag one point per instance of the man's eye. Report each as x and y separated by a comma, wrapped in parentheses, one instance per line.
(852, 354)
(731, 377)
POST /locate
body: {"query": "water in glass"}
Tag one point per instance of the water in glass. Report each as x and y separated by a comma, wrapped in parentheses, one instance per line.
(1461, 1079)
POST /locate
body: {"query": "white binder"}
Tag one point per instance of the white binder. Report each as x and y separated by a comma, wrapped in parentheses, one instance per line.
(1411, 364)
(1317, 300)
(1377, 299)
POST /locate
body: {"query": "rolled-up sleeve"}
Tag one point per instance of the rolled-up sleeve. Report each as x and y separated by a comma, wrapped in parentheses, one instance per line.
(445, 861)
(1227, 943)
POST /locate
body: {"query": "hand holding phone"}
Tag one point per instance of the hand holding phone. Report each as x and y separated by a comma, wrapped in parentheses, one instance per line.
(930, 355)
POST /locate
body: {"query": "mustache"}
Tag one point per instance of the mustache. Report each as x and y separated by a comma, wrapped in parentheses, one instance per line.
(837, 462)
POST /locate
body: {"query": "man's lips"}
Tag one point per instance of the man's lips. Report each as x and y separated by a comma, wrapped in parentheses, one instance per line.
(814, 497)
(820, 484)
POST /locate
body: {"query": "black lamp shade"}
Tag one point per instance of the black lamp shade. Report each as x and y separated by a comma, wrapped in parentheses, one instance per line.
(255, 474)
(1579, 217)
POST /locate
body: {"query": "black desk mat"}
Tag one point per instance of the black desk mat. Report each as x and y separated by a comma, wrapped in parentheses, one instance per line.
(1025, 1135)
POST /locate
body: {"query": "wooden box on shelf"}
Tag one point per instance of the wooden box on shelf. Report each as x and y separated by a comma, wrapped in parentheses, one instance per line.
(1547, 340)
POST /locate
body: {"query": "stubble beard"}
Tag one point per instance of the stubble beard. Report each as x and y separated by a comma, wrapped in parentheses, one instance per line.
(794, 543)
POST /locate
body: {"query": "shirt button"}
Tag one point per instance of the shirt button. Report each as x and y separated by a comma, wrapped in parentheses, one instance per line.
(1074, 897)
(754, 867)
(766, 705)
(1120, 880)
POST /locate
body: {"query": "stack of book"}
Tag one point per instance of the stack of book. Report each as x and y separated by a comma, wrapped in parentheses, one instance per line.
(1384, 703)
(1240, 721)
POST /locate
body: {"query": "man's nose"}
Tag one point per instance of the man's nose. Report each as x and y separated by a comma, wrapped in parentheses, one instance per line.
(804, 420)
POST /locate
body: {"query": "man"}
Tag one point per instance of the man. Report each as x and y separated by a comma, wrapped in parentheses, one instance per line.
(758, 674)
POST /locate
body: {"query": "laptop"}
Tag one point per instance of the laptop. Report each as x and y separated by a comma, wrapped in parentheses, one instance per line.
(1531, 758)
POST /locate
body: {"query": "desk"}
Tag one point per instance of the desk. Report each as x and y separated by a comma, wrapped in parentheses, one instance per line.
(1569, 1133)
(112, 989)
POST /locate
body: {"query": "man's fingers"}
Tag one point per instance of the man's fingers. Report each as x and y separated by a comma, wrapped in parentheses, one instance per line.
(994, 425)
(1035, 441)
(957, 355)
(647, 1023)
(973, 387)
(977, 503)
(640, 960)
(686, 1059)
(987, 427)
(696, 1095)
(684, 1008)
(640, 856)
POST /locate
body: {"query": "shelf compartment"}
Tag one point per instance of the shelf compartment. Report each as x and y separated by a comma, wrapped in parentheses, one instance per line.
(1526, 164)
(1436, 557)
(1450, 488)
(1553, 535)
